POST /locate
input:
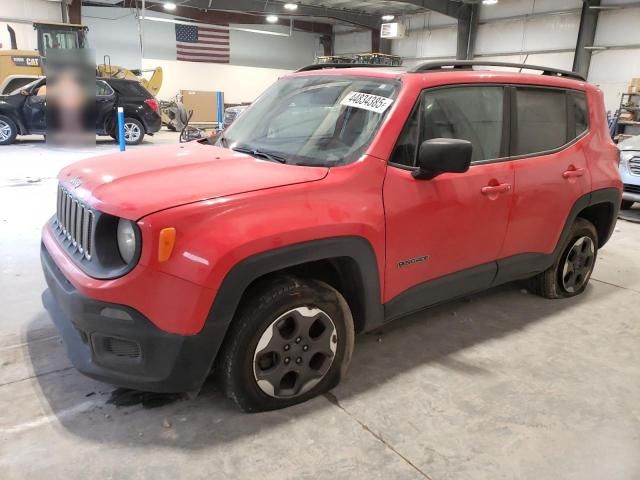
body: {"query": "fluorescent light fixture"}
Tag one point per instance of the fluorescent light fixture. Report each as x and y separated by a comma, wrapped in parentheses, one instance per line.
(290, 6)
(169, 6)
(489, 2)
(271, 19)
(185, 22)
(388, 18)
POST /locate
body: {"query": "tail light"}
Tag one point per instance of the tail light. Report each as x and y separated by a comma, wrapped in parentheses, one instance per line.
(153, 104)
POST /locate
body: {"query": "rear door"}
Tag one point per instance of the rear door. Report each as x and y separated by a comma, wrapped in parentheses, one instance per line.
(550, 165)
(453, 223)
(105, 107)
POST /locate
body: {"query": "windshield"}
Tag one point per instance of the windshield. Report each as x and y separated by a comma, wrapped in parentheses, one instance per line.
(313, 120)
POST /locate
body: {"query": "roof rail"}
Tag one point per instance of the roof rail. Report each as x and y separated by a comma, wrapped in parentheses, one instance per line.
(323, 66)
(469, 64)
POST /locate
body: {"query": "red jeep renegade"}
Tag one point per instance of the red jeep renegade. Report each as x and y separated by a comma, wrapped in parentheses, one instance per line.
(342, 199)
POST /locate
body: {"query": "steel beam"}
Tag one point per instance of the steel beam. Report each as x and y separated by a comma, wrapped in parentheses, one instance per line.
(260, 7)
(586, 36)
(467, 30)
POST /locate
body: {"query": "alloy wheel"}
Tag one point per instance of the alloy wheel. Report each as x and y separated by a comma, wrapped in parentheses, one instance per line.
(131, 132)
(578, 264)
(5, 131)
(295, 352)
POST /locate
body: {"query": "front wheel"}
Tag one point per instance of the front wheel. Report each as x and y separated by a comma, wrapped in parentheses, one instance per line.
(8, 130)
(571, 271)
(291, 341)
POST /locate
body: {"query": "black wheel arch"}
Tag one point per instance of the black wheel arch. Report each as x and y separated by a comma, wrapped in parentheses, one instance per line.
(351, 256)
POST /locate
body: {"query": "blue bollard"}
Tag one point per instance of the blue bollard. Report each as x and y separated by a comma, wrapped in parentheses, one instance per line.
(220, 99)
(121, 129)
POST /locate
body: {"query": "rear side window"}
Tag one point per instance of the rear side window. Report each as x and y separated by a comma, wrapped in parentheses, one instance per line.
(473, 113)
(541, 120)
(131, 89)
(103, 90)
(580, 113)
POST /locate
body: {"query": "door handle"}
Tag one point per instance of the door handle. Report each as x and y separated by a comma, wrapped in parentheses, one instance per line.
(495, 189)
(573, 172)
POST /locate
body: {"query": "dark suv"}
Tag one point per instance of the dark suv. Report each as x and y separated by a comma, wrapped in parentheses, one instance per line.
(24, 111)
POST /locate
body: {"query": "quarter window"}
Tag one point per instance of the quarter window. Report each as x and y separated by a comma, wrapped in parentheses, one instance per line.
(467, 113)
(103, 90)
(541, 119)
(580, 112)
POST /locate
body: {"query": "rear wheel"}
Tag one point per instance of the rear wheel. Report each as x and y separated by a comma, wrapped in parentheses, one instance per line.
(570, 273)
(8, 130)
(626, 204)
(290, 342)
(133, 131)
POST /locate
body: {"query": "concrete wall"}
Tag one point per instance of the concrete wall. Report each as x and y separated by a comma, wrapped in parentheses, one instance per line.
(347, 40)
(239, 83)
(538, 32)
(114, 31)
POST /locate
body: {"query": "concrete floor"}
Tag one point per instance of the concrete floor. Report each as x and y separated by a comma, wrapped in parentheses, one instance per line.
(500, 385)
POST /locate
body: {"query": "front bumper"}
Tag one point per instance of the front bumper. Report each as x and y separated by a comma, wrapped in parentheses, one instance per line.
(118, 345)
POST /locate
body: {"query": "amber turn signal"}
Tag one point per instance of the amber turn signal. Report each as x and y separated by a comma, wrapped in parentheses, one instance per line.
(166, 240)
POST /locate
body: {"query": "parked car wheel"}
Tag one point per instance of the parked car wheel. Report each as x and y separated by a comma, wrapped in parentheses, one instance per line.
(626, 204)
(571, 272)
(133, 131)
(8, 130)
(292, 341)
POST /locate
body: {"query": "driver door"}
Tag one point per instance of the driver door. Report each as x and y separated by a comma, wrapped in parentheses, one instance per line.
(444, 235)
(34, 111)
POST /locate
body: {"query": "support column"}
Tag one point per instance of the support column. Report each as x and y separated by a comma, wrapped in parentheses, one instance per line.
(586, 36)
(467, 30)
(379, 45)
(75, 11)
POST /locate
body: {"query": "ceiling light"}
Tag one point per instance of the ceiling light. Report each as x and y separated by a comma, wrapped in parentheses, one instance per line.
(169, 6)
(388, 18)
(290, 6)
(489, 2)
(271, 19)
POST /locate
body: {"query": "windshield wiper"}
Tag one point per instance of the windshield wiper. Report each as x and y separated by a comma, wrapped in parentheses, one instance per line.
(260, 154)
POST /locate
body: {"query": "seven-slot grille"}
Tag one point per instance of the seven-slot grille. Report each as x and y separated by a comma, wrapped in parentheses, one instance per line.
(75, 222)
(634, 165)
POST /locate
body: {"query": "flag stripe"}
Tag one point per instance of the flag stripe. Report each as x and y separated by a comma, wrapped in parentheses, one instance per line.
(203, 54)
(203, 61)
(206, 49)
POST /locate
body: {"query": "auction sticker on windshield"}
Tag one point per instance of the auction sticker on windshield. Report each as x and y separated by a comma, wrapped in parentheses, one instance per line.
(366, 101)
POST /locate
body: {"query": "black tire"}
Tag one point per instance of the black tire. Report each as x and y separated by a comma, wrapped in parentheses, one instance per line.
(263, 309)
(552, 282)
(8, 130)
(133, 125)
(626, 204)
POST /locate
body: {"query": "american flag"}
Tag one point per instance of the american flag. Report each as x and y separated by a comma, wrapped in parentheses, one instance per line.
(202, 43)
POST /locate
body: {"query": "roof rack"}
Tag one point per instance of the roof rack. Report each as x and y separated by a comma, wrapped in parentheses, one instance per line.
(323, 66)
(469, 64)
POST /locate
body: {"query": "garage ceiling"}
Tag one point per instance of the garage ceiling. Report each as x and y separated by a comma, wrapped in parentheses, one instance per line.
(380, 7)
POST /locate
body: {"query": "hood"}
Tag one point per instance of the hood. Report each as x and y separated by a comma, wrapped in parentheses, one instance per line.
(632, 143)
(142, 181)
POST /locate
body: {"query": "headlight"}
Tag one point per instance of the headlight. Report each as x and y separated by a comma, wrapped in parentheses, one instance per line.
(126, 240)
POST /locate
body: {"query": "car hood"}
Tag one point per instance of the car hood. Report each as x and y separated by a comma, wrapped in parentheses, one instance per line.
(142, 181)
(632, 143)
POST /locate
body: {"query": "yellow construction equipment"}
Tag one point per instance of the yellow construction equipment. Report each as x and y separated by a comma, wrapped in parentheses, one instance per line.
(19, 67)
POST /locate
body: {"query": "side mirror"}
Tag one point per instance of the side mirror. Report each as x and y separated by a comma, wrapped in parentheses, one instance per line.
(442, 155)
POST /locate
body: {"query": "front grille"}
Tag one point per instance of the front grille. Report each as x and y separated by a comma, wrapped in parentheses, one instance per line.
(632, 188)
(74, 222)
(634, 165)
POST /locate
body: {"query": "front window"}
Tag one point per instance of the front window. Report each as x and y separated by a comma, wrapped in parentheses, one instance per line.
(313, 120)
